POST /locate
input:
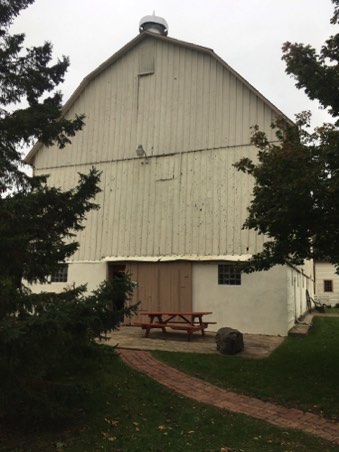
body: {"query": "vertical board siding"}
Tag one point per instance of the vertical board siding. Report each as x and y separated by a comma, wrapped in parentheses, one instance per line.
(190, 102)
(193, 118)
(175, 205)
(326, 271)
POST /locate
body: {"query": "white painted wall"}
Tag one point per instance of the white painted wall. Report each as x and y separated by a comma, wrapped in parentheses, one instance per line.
(257, 306)
(326, 271)
(297, 283)
(265, 302)
(192, 114)
(190, 204)
(91, 273)
(191, 101)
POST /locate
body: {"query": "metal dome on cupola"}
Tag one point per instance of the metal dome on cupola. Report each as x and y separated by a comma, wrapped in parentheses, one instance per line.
(154, 24)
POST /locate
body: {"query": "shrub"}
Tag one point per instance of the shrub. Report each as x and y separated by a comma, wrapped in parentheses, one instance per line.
(47, 341)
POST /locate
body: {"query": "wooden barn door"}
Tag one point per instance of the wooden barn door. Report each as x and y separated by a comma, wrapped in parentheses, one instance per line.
(165, 286)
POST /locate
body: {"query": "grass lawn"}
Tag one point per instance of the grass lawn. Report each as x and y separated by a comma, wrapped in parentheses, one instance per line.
(302, 372)
(130, 412)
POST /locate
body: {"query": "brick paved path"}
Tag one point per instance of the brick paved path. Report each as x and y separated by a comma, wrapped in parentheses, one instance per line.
(204, 392)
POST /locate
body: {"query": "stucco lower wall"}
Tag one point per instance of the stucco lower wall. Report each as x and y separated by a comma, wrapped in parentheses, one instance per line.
(257, 306)
(92, 274)
(297, 283)
(265, 302)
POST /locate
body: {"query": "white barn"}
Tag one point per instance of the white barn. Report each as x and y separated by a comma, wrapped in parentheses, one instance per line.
(165, 122)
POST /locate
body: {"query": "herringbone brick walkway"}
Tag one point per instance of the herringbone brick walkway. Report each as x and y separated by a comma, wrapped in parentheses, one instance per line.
(204, 392)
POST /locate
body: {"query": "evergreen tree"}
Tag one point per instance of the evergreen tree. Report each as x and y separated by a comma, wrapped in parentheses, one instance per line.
(41, 335)
(35, 219)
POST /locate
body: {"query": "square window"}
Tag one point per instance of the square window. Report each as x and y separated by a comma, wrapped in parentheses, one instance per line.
(60, 274)
(328, 285)
(229, 274)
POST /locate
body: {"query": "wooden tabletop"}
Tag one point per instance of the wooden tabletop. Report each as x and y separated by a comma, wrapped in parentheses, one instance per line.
(197, 313)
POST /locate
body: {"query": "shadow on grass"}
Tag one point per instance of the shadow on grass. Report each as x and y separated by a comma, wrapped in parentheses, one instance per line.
(130, 412)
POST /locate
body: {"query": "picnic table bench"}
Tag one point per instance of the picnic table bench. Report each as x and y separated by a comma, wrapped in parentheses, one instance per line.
(189, 321)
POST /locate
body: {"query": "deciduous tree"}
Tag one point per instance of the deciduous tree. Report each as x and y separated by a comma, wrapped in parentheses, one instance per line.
(296, 192)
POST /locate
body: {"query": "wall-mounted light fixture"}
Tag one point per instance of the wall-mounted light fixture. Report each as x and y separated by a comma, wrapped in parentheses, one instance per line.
(140, 151)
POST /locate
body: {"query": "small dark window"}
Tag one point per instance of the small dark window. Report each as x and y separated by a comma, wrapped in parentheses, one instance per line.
(60, 274)
(229, 274)
(328, 285)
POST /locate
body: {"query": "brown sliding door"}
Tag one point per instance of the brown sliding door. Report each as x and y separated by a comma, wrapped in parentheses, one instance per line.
(165, 286)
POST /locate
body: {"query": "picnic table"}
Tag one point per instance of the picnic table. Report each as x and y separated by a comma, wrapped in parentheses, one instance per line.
(177, 320)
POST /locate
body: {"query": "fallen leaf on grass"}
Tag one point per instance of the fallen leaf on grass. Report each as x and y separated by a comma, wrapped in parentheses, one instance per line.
(136, 425)
(112, 422)
(107, 436)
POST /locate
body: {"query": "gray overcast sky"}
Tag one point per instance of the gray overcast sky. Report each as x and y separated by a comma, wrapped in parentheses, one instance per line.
(247, 34)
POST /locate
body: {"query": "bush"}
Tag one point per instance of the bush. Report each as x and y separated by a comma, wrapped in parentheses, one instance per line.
(47, 341)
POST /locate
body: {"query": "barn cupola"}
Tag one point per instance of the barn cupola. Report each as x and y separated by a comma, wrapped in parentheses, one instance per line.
(154, 24)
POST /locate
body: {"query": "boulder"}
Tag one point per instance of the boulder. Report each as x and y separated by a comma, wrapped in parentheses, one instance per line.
(229, 341)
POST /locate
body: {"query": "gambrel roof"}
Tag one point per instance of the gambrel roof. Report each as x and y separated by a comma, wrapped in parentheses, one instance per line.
(137, 40)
